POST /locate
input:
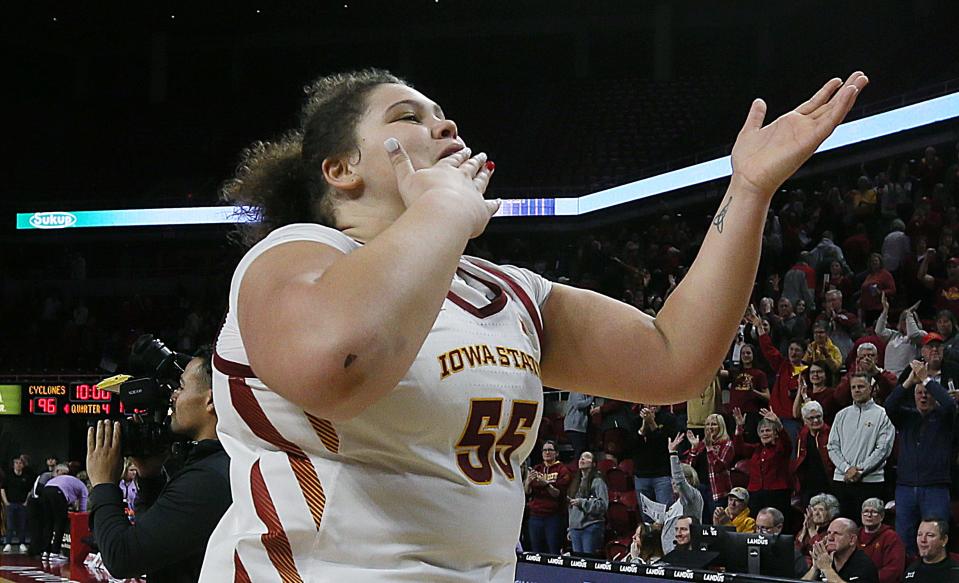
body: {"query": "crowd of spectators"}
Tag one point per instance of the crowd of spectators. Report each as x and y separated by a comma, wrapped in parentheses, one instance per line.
(823, 409)
(838, 413)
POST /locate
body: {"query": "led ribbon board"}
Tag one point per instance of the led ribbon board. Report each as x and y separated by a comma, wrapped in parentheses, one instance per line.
(854, 132)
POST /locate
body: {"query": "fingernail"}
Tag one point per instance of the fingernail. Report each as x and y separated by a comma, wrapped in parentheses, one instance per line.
(490, 165)
(392, 145)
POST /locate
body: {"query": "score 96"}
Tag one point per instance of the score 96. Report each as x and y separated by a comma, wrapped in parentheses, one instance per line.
(43, 405)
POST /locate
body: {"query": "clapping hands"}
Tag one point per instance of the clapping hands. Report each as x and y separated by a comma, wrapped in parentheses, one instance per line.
(821, 558)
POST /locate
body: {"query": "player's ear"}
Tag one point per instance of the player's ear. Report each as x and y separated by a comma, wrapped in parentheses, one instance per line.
(341, 175)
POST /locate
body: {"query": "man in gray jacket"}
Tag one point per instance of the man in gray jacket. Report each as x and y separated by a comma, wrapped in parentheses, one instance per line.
(859, 443)
(577, 421)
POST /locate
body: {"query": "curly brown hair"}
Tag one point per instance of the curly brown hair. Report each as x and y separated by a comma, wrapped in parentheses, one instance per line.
(281, 182)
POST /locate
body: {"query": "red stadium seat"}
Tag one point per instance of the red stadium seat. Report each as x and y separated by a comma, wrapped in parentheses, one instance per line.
(546, 429)
(605, 466)
(618, 481)
(739, 475)
(614, 441)
(620, 520)
(628, 498)
(616, 549)
(559, 431)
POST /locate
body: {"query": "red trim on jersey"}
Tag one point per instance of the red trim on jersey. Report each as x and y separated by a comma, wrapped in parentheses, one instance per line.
(249, 409)
(232, 369)
(239, 571)
(324, 429)
(275, 542)
(521, 294)
(327, 433)
(494, 307)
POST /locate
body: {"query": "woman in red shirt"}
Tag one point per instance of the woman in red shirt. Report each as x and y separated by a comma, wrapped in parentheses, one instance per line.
(816, 384)
(769, 481)
(877, 282)
(787, 370)
(749, 389)
(546, 487)
(835, 279)
(811, 466)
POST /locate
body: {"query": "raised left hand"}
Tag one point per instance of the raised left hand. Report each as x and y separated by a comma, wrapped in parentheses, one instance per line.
(104, 454)
(765, 157)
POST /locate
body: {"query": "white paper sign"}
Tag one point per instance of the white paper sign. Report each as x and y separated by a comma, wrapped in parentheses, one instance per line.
(654, 510)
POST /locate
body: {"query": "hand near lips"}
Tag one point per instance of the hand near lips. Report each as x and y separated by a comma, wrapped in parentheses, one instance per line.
(458, 178)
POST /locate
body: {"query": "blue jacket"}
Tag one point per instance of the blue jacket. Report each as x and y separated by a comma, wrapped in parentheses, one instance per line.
(925, 441)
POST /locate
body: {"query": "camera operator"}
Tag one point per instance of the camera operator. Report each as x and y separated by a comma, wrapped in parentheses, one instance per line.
(175, 516)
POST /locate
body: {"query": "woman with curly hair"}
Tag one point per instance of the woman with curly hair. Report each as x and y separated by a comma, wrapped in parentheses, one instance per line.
(377, 390)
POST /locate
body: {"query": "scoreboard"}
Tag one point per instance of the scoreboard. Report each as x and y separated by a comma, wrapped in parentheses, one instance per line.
(73, 398)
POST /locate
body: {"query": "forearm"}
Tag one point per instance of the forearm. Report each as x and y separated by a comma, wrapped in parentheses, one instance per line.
(676, 469)
(354, 325)
(797, 405)
(941, 396)
(113, 532)
(721, 277)
(881, 324)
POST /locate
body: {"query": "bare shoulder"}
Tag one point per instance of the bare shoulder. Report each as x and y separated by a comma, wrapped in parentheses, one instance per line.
(276, 290)
(283, 265)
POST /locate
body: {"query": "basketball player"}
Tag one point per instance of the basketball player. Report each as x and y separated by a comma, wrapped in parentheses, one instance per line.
(377, 390)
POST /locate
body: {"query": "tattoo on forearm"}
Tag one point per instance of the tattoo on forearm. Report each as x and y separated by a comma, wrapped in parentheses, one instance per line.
(720, 219)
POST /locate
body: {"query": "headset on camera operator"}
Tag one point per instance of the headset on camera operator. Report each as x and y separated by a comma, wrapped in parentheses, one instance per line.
(175, 516)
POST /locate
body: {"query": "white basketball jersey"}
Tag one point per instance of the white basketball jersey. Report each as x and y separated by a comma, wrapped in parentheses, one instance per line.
(424, 485)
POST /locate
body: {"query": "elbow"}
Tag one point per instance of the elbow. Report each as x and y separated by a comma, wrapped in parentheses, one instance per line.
(120, 564)
(328, 376)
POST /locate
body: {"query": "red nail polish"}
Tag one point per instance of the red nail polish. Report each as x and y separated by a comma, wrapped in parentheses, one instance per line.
(490, 165)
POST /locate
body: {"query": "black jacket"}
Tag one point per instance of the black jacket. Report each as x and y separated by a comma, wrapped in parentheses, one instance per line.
(174, 520)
